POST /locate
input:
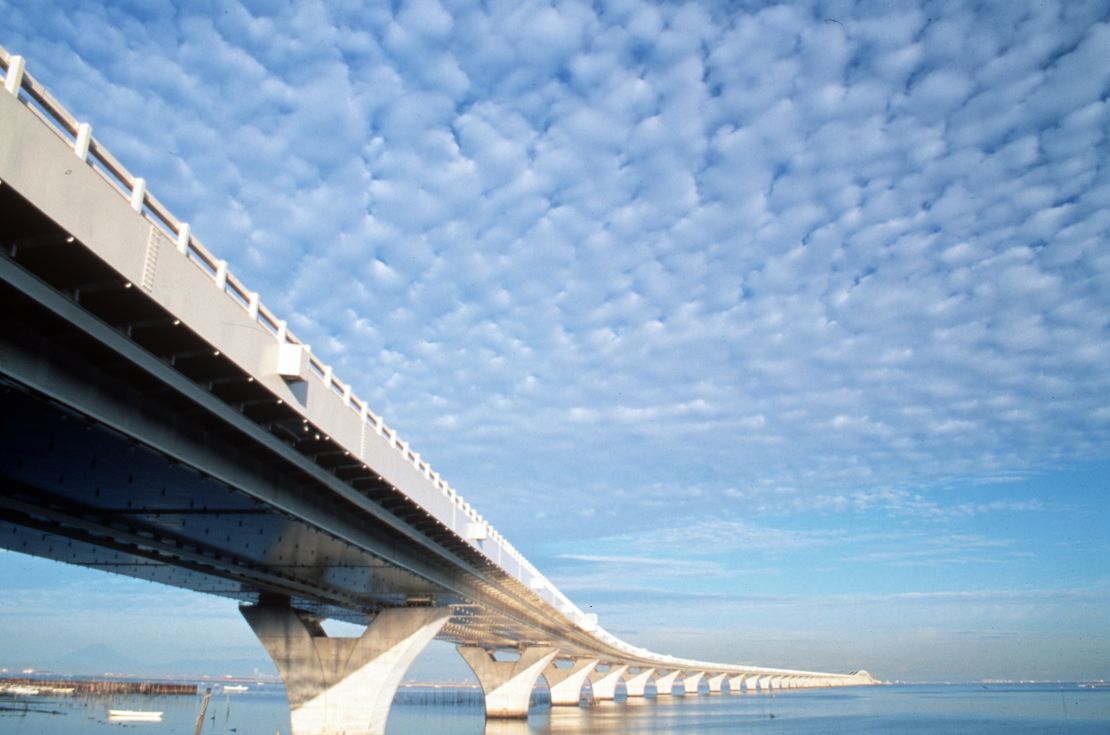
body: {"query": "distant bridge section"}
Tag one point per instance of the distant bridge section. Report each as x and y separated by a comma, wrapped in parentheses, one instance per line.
(161, 422)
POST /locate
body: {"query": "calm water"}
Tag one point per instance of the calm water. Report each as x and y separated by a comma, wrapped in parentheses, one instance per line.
(920, 710)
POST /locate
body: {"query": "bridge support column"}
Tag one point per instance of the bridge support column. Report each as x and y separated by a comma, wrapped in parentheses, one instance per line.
(604, 683)
(664, 685)
(736, 683)
(764, 683)
(638, 683)
(716, 682)
(566, 683)
(342, 685)
(507, 684)
(692, 682)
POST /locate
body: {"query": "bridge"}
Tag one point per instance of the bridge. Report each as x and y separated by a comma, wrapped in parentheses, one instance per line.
(159, 421)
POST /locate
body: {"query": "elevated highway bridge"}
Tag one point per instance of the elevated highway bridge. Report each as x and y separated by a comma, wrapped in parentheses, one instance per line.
(160, 421)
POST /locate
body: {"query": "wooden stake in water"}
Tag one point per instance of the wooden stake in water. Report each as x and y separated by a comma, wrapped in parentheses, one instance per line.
(203, 710)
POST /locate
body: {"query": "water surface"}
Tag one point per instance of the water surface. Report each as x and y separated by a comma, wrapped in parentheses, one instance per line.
(1066, 709)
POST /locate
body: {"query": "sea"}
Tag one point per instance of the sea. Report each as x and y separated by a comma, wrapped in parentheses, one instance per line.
(920, 709)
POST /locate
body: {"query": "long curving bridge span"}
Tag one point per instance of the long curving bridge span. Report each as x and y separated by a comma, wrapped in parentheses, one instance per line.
(160, 422)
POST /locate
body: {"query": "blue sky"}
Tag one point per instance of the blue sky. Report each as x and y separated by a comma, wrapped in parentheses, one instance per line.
(771, 333)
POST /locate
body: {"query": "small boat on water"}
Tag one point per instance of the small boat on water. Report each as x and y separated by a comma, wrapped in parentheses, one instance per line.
(133, 715)
(235, 688)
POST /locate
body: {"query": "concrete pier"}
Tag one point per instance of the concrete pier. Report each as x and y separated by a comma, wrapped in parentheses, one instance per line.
(692, 682)
(604, 683)
(507, 684)
(664, 685)
(636, 684)
(342, 685)
(566, 682)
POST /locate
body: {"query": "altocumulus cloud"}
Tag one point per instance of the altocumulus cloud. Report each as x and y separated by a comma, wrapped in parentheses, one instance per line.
(819, 247)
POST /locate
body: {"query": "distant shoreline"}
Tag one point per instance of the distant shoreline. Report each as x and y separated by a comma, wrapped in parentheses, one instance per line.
(170, 684)
(79, 685)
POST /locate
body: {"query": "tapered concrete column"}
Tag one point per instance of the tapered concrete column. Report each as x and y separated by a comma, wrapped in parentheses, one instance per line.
(566, 683)
(775, 683)
(604, 683)
(736, 683)
(664, 685)
(764, 683)
(340, 686)
(692, 681)
(507, 684)
(636, 684)
(716, 682)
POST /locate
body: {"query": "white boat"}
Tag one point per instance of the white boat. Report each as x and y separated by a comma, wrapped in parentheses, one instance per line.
(235, 688)
(133, 715)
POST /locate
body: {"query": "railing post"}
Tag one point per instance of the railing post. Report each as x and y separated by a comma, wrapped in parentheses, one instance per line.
(183, 238)
(138, 194)
(14, 79)
(221, 275)
(84, 139)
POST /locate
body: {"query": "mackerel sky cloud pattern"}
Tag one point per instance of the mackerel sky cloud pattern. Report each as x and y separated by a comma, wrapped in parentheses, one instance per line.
(763, 276)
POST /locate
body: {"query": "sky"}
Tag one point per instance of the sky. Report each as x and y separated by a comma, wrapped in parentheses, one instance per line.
(775, 334)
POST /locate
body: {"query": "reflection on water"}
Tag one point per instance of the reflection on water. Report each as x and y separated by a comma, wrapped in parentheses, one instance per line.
(506, 727)
(924, 710)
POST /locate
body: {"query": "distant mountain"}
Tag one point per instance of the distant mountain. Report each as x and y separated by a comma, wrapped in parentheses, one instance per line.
(99, 659)
(92, 659)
